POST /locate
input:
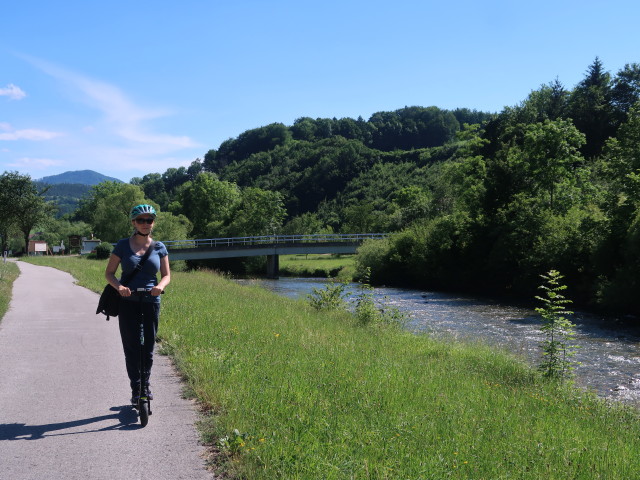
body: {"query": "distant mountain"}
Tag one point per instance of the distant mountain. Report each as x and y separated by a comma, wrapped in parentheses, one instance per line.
(84, 177)
(67, 189)
(65, 196)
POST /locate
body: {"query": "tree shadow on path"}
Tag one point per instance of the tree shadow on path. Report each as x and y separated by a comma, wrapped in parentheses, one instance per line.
(126, 416)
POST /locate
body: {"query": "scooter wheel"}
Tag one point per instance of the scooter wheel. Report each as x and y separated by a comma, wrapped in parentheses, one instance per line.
(143, 412)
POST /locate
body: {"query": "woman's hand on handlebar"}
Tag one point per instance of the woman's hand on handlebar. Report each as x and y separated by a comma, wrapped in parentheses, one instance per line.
(124, 291)
(155, 291)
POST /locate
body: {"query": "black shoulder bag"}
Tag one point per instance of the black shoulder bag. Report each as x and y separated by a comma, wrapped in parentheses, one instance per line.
(109, 303)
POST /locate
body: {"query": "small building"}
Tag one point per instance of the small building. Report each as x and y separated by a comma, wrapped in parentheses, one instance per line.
(89, 245)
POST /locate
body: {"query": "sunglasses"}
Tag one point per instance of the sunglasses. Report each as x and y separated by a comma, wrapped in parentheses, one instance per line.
(148, 221)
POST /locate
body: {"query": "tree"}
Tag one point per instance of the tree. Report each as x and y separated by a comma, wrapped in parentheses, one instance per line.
(616, 260)
(86, 210)
(12, 187)
(305, 224)
(557, 328)
(535, 159)
(471, 117)
(22, 207)
(259, 212)
(626, 88)
(622, 160)
(59, 230)
(304, 129)
(413, 127)
(31, 212)
(359, 218)
(213, 163)
(413, 203)
(171, 227)
(153, 185)
(111, 219)
(252, 141)
(353, 129)
(549, 102)
(551, 151)
(195, 168)
(590, 107)
(460, 185)
(174, 177)
(208, 203)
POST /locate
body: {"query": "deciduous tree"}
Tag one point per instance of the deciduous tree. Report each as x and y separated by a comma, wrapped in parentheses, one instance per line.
(111, 219)
(208, 202)
(22, 206)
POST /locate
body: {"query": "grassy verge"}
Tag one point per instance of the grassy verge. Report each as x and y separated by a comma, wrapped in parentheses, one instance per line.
(324, 266)
(8, 273)
(292, 393)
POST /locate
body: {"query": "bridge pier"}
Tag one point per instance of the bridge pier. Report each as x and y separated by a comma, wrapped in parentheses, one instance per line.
(273, 266)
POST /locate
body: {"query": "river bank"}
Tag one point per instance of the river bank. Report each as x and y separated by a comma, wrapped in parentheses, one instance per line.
(343, 268)
(290, 392)
(609, 358)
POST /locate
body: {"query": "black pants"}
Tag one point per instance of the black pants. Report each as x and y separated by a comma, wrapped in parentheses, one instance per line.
(131, 312)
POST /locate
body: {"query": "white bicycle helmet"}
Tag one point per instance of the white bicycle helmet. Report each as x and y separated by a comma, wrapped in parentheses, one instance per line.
(142, 209)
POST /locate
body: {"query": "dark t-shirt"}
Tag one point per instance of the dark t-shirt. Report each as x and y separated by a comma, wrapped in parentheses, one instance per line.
(147, 277)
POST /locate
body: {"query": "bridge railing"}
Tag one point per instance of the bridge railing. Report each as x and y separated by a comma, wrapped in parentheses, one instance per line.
(271, 239)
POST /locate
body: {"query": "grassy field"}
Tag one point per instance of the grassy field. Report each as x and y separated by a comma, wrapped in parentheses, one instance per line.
(340, 266)
(293, 393)
(8, 273)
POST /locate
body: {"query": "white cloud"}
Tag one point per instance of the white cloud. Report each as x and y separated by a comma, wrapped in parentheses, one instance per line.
(119, 138)
(35, 163)
(123, 117)
(13, 92)
(8, 133)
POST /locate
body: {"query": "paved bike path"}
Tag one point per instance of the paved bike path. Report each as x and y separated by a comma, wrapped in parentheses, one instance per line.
(64, 393)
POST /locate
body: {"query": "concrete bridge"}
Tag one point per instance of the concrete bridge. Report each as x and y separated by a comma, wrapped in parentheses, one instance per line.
(270, 246)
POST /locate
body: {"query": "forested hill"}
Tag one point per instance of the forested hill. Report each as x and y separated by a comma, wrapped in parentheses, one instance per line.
(65, 196)
(476, 200)
(83, 177)
(65, 190)
(312, 161)
(405, 129)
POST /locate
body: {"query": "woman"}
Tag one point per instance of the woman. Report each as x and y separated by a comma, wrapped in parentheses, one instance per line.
(141, 298)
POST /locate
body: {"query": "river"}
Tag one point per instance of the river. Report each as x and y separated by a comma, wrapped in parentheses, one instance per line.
(609, 358)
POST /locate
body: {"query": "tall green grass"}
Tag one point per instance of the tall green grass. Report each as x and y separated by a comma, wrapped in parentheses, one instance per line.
(8, 273)
(323, 266)
(293, 393)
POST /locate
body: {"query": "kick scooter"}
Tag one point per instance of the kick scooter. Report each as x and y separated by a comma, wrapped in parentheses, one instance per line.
(144, 402)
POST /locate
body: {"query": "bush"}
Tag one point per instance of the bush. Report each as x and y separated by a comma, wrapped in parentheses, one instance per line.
(372, 258)
(331, 297)
(178, 265)
(103, 250)
(368, 311)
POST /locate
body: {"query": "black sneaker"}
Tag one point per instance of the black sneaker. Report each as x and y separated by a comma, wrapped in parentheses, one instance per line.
(148, 392)
(135, 395)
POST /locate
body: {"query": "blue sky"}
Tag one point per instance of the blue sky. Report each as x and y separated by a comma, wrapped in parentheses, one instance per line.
(129, 88)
